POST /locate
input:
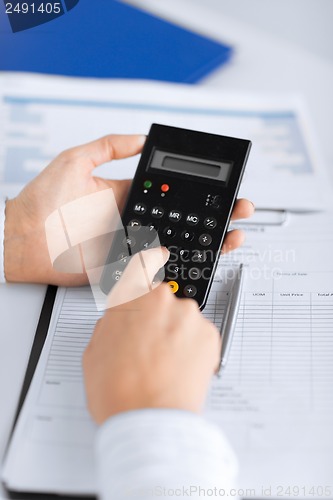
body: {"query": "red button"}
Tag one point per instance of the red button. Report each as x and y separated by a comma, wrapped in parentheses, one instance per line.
(165, 188)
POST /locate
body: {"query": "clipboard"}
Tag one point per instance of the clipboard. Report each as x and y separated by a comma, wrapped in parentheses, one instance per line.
(38, 344)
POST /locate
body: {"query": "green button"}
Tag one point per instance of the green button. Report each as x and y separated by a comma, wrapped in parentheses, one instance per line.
(147, 184)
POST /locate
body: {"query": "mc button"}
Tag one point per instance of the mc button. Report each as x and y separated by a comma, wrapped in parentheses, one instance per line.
(192, 219)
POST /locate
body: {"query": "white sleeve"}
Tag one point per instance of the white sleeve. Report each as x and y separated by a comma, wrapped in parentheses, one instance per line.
(2, 234)
(160, 452)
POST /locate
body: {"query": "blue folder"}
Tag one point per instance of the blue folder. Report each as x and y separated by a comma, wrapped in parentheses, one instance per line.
(107, 38)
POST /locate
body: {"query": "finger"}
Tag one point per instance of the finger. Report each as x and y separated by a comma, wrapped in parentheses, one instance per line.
(233, 240)
(110, 147)
(120, 189)
(153, 262)
(98, 330)
(138, 276)
(243, 209)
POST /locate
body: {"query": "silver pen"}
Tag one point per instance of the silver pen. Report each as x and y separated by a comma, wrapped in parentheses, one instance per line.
(230, 317)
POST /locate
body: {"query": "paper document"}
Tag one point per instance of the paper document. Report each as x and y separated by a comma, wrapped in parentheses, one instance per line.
(274, 400)
(45, 115)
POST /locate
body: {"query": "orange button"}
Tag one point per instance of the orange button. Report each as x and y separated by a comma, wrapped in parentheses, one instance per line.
(165, 188)
(173, 285)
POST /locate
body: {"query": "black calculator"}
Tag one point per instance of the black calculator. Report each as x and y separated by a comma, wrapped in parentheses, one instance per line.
(183, 191)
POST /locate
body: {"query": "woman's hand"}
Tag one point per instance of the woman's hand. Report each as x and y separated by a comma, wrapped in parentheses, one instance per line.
(68, 178)
(156, 351)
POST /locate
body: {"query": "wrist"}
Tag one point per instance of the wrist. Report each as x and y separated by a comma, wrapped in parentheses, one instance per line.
(15, 235)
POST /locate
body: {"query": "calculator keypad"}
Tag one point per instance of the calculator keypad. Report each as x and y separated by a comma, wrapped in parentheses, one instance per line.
(182, 195)
(189, 237)
(189, 225)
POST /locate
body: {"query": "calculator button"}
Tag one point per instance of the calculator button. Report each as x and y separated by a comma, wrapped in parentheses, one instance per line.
(170, 232)
(187, 236)
(145, 244)
(129, 242)
(184, 255)
(140, 208)
(116, 275)
(172, 271)
(152, 227)
(175, 215)
(157, 212)
(124, 258)
(134, 224)
(205, 240)
(199, 256)
(194, 273)
(149, 240)
(190, 291)
(174, 286)
(192, 219)
(214, 200)
(210, 223)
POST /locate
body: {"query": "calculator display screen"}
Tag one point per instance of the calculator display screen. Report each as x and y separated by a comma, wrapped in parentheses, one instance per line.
(188, 165)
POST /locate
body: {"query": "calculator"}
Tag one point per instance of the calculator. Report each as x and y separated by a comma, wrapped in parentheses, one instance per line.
(182, 197)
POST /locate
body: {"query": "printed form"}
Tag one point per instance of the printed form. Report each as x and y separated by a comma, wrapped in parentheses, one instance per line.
(274, 400)
(44, 115)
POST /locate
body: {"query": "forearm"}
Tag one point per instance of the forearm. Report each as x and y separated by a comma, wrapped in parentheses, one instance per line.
(25, 252)
(142, 453)
(14, 244)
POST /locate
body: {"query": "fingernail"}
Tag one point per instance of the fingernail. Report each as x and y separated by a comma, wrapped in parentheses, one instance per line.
(142, 139)
(254, 207)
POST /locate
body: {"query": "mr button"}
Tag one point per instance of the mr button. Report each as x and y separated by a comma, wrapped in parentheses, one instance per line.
(175, 215)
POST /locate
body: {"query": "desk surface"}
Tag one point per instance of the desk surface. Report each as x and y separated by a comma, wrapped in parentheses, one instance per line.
(262, 63)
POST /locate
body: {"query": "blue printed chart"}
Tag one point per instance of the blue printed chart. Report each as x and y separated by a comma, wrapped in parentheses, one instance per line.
(44, 115)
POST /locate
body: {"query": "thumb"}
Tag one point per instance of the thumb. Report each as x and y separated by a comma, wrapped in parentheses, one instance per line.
(137, 279)
(110, 147)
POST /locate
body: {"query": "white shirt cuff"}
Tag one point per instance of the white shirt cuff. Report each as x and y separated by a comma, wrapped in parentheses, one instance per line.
(2, 237)
(149, 453)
